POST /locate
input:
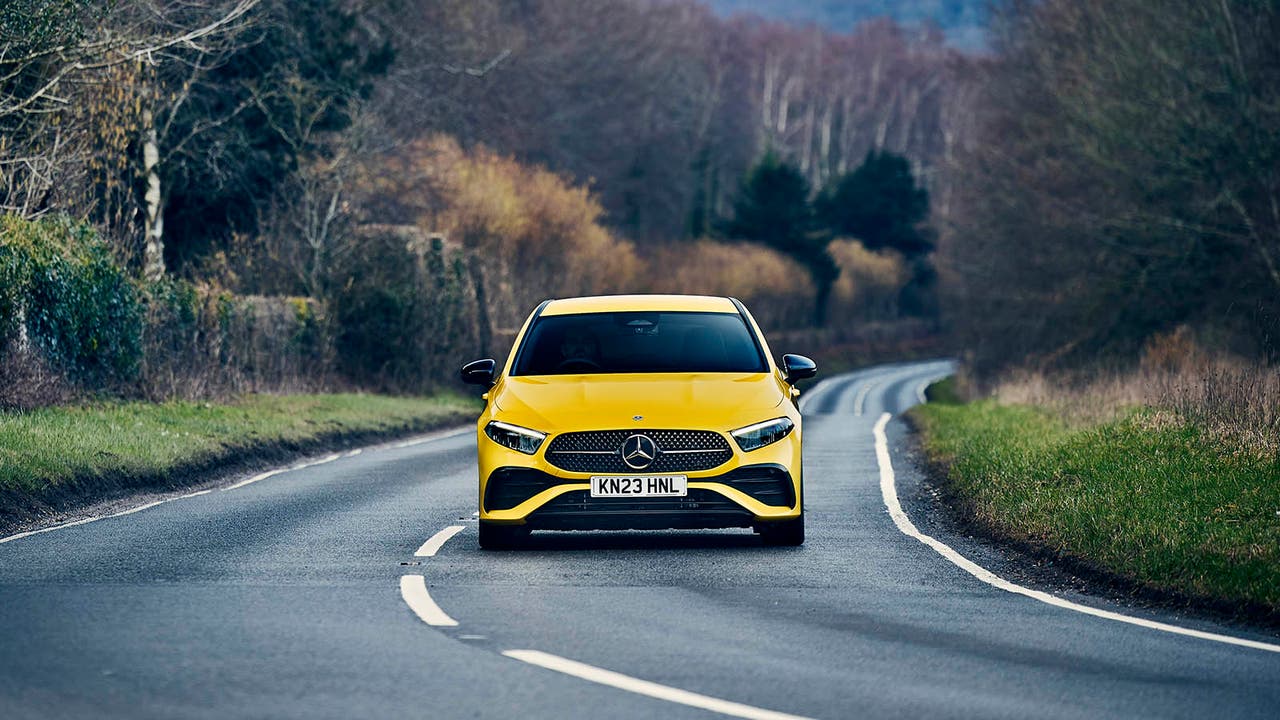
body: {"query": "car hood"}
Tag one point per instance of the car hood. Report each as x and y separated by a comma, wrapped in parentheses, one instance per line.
(720, 401)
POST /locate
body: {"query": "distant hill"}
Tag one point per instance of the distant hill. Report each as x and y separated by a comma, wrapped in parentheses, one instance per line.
(964, 21)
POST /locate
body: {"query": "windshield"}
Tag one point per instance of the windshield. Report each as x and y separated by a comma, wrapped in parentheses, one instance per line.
(639, 342)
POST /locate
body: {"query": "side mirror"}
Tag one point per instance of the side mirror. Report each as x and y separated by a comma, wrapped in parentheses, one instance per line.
(479, 372)
(797, 367)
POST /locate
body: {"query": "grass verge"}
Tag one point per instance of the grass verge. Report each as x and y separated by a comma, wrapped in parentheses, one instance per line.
(1148, 498)
(52, 458)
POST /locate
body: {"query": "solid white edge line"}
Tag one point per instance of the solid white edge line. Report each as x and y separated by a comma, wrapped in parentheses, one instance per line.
(140, 508)
(51, 528)
(85, 521)
(889, 491)
(431, 546)
(413, 588)
(441, 435)
(924, 385)
(278, 471)
(601, 676)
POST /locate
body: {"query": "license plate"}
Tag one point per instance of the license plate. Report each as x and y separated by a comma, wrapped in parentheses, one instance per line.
(640, 486)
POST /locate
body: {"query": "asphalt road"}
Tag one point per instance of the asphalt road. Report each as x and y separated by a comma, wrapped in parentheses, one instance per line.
(283, 598)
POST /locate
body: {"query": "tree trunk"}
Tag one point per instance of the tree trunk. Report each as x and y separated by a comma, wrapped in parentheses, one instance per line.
(484, 326)
(153, 251)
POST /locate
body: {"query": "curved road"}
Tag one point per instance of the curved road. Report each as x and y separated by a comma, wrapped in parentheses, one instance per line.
(290, 597)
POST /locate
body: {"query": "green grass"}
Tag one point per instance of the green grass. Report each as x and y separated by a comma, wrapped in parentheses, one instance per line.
(943, 391)
(46, 449)
(1147, 497)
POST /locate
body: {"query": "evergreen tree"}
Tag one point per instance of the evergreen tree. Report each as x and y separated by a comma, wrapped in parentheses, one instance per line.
(773, 208)
(880, 204)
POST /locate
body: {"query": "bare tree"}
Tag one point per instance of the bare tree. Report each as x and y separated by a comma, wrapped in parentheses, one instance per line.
(86, 110)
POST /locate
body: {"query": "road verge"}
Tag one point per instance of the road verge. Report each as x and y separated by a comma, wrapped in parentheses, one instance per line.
(55, 460)
(1146, 502)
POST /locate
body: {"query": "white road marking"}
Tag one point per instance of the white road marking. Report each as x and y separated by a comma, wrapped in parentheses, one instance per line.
(140, 508)
(594, 674)
(890, 494)
(354, 453)
(278, 471)
(85, 521)
(924, 385)
(51, 528)
(430, 547)
(432, 436)
(860, 400)
(413, 588)
(260, 476)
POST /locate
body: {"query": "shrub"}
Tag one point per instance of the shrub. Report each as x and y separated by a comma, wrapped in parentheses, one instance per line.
(776, 288)
(406, 310)
(202, 341)
(536, 235)
(870, 283)
(773, 208)
(63, 296)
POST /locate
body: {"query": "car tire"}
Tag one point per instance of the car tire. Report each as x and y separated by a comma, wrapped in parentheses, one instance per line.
(785, 533)
(501, 537)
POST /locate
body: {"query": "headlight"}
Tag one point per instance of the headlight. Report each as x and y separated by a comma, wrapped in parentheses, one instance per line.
(515, 437)
(754, 437)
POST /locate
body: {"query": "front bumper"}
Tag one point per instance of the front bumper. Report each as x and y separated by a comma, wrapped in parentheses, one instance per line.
(739, 497)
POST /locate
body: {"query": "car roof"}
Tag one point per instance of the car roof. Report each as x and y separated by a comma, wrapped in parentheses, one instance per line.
(640, 303)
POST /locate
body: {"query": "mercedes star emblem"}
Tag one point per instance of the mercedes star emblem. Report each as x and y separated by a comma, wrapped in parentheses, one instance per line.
(638, 451)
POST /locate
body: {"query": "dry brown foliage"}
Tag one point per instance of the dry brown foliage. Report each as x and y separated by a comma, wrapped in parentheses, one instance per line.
(1228, 395)
(869, 282)
(536, 234)
(775, 288)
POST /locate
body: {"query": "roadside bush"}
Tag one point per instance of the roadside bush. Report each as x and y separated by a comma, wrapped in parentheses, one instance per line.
(1232, 398)
(535, 234)
(63, 297)
(406, 310)
(777, 289)
(870, 283)
(201, 341)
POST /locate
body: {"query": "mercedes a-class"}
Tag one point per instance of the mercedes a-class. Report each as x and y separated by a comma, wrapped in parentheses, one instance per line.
(640, 412)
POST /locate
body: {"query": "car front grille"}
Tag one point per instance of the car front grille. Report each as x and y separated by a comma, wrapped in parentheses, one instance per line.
(600, 451)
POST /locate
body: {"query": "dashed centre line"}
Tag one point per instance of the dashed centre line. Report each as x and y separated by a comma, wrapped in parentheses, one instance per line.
(601, 676)
(433, 545)
(860, 400)
(413, 588)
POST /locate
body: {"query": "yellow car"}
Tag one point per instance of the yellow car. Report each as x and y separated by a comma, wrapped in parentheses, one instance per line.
(640, 412)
